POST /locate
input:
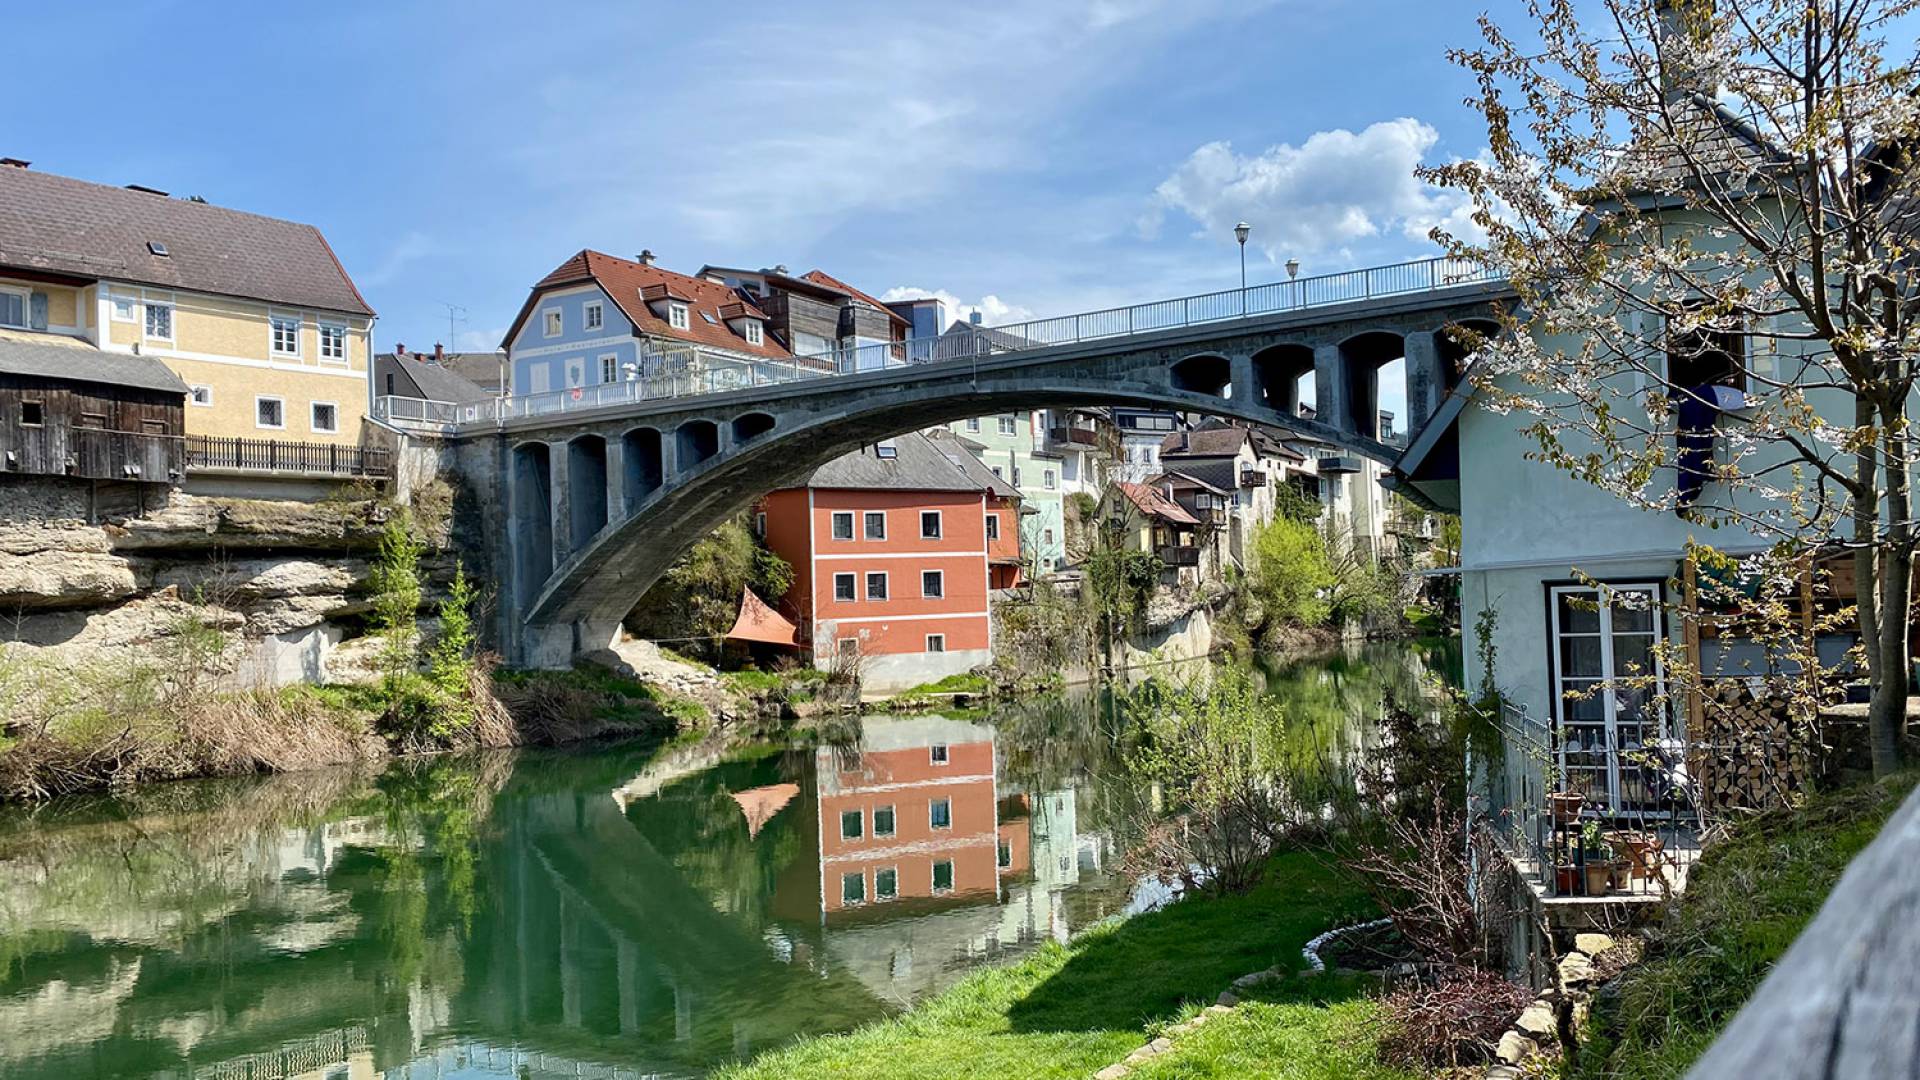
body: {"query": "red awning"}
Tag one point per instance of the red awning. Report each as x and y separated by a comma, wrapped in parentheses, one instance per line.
(758, 622)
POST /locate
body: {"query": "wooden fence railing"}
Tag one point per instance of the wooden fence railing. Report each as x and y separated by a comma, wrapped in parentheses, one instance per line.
(276, 455)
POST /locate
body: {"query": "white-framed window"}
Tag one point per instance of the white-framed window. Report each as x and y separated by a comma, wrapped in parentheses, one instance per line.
(937, 754)
(940, 813)
(843, 524)
(755, 335)
(853, 888)
(159, 325)
(550, 322)
(853, 825)
(933, 584)
(609, 368)
(1007, 425)
(943, 876)
(333, 343)
(876, 524)
(886, 883)
(1048, 480)
(269, 412)
(993, 526)
(844, 586)
(591, 317)
(200, 395)
(123, 308)
(16, 306)
(883, 821)
(677, 316)
(929, 524)
(876, 584)
(1602, 636)
(937, 643)
(284, 332)
(325, 418)
(973, 424)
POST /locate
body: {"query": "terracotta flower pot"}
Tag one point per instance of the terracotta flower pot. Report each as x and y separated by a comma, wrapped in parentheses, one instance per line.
(1599, 875)
(1566, 879)
(1565, 806)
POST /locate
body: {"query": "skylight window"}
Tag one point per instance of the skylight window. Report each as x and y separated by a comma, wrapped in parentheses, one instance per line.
(157, 248)
(711, 321)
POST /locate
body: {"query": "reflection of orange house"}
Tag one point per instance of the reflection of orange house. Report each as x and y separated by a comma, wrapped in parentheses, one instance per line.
(913, 816)
(1015, 856)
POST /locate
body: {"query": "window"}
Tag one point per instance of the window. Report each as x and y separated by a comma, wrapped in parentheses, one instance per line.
(1601, 636)
(200, 395)
(160, 321)
(886, 884)
(853, 888)
(1016, 476)
(1048, 480)
(333, 342)
(933, 584)
(125, 309)
(755, 335)
(876, 585)
(937, 643)
(677, 316)
(852, 825)
(849, 647)
(876, 524)
(590, 315)
(325, 419)
(993, 526)
(937, 754)
(269, 412)
(973, 424)
(609, 368)
(943, 876)
(1004, 857)
(760, 525)
(14, 307)
(940, 813)
(883, 821)
(843, 524)
(1006, 425)
(843, 586)
(929, 524)
(886, 449)
(997, 474)
(285, 332)
(32, 413)
(1046, 536)
(550, 323)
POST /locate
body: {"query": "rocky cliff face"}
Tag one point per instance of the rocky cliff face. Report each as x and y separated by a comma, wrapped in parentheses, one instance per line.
(90, 570)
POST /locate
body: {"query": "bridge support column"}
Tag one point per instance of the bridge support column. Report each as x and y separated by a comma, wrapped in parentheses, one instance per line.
(561, 502)
(1425, 382)
(1240, 376)
(1330, 388)
(616, 479)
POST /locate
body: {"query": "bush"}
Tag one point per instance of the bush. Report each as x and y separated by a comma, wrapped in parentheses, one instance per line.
(699, 597)
(1291, 573)
(1450, 1023)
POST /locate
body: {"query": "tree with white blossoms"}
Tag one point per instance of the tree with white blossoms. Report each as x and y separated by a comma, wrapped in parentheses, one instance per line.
(1689, 196)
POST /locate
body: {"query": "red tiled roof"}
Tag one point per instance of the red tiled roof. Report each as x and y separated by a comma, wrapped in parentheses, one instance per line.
(624, 280)
(1153, 502)
(739, 310)
(821, 277)
(662, 291)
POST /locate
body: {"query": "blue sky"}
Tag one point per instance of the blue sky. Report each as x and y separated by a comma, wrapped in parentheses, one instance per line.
(1052, 156)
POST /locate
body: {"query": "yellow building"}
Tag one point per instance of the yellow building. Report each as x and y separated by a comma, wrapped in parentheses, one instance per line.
(255, 314)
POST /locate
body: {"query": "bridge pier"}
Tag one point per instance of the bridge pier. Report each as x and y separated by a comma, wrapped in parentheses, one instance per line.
(1426, 384)
(559, 502)
(616, 479)
(1330, 388)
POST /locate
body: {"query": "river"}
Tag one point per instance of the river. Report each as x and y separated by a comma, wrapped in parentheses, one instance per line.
(619, 911)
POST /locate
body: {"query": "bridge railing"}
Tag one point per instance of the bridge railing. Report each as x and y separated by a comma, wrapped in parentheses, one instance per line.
(696, 370)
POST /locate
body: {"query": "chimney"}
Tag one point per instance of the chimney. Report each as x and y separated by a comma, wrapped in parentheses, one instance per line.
(646, 257)
(439, 353)
(973, 317)
(399, 350)
(1683, 25)
(14, 163)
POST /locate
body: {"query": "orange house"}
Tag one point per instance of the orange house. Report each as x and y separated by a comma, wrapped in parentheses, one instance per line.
(892, 548)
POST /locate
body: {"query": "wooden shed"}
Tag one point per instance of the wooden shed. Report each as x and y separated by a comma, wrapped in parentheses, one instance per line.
(70, 409)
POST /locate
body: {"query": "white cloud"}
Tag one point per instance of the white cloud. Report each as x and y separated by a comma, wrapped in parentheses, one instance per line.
(1334, 190)
(993, 310)
(412, 247)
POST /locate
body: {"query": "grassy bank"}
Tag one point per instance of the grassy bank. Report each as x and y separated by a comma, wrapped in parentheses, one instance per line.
(1745, 903)
(1070, 1010)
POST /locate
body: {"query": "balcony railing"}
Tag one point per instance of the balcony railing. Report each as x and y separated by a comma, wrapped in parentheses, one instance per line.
(700, 370)
(1074, 435)
(1180, 556)
(1253, 478)
(419, 414)
(213, 452)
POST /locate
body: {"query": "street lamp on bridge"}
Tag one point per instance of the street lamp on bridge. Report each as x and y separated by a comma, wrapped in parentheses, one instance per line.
(1240, 232)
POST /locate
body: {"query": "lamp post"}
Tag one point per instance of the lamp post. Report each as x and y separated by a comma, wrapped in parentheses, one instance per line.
(1293, 274)
(1240, 232)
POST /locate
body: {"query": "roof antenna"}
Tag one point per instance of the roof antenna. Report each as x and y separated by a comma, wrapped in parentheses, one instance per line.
(455, 313)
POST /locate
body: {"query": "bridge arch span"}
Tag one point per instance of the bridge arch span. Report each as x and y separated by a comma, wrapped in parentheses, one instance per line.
(1207, 373)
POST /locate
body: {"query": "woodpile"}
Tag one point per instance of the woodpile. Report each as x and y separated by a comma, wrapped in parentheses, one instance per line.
(1751, 753)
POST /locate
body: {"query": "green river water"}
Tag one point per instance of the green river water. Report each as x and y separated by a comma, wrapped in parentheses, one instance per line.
(621, 911)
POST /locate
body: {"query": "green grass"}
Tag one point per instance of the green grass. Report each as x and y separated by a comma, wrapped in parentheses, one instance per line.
(1745, 903)
(1068, 1011)
(1313, 1029)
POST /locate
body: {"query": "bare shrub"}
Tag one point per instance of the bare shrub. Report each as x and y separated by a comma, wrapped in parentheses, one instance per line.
(1450, 1023)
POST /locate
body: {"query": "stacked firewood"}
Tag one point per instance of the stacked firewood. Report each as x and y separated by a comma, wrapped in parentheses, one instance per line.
(1752, 752)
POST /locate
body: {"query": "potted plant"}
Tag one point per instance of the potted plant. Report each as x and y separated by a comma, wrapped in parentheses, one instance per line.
(1565, 806)
(1597, 859)
(1566, 879)
(1639, 849)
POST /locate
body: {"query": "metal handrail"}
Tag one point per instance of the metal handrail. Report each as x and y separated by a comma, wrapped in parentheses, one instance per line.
(695, 370)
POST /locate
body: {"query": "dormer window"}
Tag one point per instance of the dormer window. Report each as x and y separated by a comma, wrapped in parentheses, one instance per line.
(755, 335)
(677, 316)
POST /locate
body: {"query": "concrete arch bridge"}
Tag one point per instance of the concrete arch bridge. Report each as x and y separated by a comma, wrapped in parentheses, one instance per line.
(593, 494)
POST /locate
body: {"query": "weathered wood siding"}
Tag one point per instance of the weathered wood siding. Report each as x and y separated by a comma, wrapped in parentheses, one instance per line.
(90, 430)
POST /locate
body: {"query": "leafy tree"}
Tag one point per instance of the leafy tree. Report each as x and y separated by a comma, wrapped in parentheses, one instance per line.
(698, 598)
(396, 600)
(1291, 575)
(1669, 183)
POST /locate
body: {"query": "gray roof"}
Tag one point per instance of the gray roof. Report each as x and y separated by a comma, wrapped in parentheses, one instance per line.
(483, 369)
(60, 225)
(66, 358)
(435, 382)
(917, 465)
(962, 454)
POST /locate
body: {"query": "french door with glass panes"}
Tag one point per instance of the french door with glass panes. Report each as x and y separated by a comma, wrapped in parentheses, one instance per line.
(1602, 636)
